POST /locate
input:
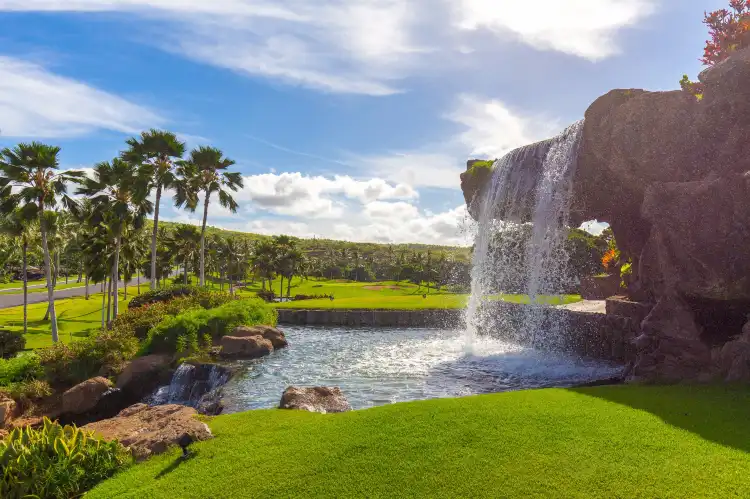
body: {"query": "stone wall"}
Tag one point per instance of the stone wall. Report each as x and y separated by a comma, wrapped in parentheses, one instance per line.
(595, 335)
(375, 318)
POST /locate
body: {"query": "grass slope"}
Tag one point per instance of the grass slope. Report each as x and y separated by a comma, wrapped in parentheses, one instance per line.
(621, 441)
(75, 318)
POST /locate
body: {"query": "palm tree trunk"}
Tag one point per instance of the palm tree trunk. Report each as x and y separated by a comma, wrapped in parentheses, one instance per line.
(104, 300)
(25, 289)
(138, 275)
(87, 285)
(184, 276)
(48, 273)
(289, 285)
(109, 300)
(116, 276)
(281, 288)
(153, 238)
(203, 241)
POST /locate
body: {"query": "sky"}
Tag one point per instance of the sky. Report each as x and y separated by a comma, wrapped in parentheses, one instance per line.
(349, 119)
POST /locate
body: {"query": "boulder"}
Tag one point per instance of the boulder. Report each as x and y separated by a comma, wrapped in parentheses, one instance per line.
(8, 410)
(148, 430)
(274, 335)
(84, 396)
(321, 399)
(251, 347)
(143, 375)
(600, 287)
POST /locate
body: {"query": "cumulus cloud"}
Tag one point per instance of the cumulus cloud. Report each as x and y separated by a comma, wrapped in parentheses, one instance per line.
(584, 28)
(361, 46)
(37, 103)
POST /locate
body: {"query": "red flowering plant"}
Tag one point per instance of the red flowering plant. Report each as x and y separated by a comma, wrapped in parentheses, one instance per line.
(729, 30)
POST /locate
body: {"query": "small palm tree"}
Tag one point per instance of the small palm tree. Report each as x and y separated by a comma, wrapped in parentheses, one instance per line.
(205, 173)
(20, 226)
(183, 245)
(155, 152)
(32, 170)
(119, 196)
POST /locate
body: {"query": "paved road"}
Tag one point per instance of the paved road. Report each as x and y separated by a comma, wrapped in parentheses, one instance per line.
(35, 296)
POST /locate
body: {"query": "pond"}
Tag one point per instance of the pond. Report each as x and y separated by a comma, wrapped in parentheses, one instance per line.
(376, 366)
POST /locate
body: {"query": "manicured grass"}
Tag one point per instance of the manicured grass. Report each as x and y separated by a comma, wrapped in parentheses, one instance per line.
(386, 295)
(19, 284)
(60, 286)
(617, 441)
(75, 318)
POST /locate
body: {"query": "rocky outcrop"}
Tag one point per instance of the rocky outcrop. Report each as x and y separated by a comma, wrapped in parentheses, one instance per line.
(599, 287)
(249, 347)
(321, 399)
(669, 173)
(147, 431)
(275, 336)
(143, 375)
(84, 396)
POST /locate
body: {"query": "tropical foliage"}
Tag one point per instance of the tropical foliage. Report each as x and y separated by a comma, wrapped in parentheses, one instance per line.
(729, 31)
(56, 462)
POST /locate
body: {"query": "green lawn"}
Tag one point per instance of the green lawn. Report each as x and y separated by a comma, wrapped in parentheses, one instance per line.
(609, 442)
(19, 284)
(60, 286)
(75, 318)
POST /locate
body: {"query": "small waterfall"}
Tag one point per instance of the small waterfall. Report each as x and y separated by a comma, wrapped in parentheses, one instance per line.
(522, 228)
(196, 386)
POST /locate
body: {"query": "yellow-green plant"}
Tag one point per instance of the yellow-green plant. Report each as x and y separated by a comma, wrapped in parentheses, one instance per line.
(56, 462)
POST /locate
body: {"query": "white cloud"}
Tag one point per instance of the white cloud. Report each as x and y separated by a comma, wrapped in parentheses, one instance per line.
(488, 128)
(491, 129)
(361, 46)
(37, 103)
(585, 28)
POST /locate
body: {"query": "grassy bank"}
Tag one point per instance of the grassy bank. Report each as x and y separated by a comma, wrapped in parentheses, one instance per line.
(75, 318)
(621, 441)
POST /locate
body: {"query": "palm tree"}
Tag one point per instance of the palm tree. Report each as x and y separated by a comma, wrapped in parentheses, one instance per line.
(119, 196)
(205, 173)
(19, 226)
(155, 152)
(32, 169)
(183, 243)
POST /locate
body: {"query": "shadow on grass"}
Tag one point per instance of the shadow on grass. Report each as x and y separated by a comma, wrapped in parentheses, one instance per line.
(176, 464)
(717, 413)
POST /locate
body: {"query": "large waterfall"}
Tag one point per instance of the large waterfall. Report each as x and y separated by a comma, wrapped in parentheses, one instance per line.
(521, 234)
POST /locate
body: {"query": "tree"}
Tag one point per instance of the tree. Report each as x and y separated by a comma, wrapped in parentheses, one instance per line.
(19, 226)
(184, 242)
(204, 173)
(155, 152)
(32, 169)
(119, 197)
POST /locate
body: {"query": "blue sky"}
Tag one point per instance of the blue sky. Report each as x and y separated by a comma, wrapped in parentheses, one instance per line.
(350, 119)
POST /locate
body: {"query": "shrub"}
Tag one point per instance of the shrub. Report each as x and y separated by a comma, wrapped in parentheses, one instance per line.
(186, 333)
(160, 295)
(139, 321)
(103, 354)
(11, 343)
(266, 295)
(25, 393)
(56, 462)
(19, 369)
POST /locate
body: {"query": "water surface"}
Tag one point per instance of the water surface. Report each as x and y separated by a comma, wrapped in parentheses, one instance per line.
(376, 366)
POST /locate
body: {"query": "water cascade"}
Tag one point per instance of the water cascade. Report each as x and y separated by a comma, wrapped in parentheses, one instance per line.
(196, 386)
(520, 242)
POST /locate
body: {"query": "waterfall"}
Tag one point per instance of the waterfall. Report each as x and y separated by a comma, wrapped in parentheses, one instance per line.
(196, 386)
(521, 234)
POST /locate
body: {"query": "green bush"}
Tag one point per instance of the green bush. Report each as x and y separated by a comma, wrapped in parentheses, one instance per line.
(56, 462)
(103, 354)
(139, 321)
(11, 343)
(20, 369)
(189, 331)
(161, 295)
